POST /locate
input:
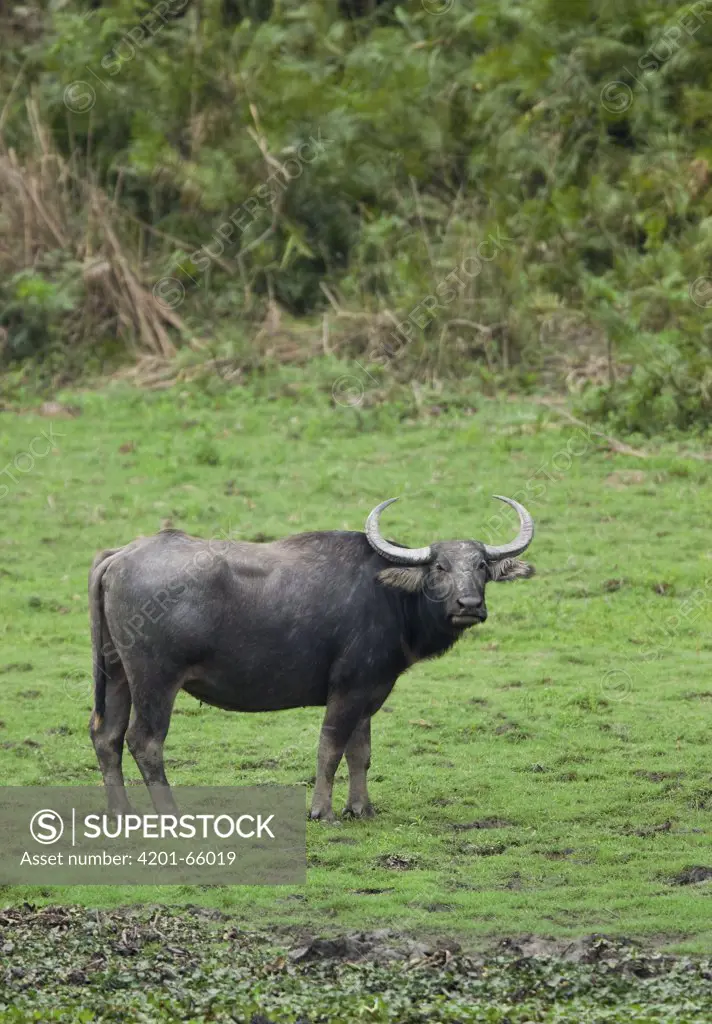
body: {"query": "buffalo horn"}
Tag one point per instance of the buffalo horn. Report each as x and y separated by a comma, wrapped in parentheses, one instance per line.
(523, 538)
(401, 556)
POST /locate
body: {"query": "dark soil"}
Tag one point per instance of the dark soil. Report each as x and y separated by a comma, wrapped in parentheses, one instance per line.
(692, 876)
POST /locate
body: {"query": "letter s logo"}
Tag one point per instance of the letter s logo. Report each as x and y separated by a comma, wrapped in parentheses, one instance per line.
(46, 827)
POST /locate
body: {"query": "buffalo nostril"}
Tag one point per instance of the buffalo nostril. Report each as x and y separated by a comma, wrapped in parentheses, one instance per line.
(470, 603)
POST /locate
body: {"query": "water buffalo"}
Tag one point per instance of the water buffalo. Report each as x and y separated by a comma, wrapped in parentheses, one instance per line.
(325, 619)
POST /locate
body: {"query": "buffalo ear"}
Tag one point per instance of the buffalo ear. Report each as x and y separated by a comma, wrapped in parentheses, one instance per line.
(410, 578)
(508, 569)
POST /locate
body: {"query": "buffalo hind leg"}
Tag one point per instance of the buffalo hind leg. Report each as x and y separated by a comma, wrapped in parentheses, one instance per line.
(358, 758)
(107, 733)
(146, 735)
(339, 723)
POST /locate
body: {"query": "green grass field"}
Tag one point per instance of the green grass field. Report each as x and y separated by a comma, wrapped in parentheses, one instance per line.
(552, 774)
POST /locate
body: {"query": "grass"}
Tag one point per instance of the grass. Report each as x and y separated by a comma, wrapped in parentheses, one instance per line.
(550, 775)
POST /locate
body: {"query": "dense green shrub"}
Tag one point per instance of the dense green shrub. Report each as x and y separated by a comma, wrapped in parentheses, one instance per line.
(34, 306)
(517, 184)
(670, 385)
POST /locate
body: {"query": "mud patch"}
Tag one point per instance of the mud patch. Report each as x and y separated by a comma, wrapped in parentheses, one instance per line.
(622, 478)
(375, 947)
(371, 892)
(254, 764)
(658, 776)
(485, 850)
(397, 862)
(621, 954)
(692, 876)
(59, 410)
(646, 831)
(511, 730)
(483, 823)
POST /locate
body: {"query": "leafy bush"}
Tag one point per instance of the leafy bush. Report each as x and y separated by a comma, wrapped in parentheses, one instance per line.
(33, 308)
(671, 387)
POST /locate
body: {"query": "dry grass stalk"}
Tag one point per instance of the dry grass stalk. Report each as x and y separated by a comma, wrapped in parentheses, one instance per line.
(46, 206)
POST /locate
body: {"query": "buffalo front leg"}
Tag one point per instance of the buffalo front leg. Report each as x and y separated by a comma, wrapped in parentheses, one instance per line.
(358, 758)
(152, 707)
(339, 723)
(107, 731)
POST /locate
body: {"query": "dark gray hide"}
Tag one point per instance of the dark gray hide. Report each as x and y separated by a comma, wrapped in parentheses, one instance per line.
(319, 619)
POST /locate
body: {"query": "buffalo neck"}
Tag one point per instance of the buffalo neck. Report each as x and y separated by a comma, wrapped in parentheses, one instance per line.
(425, 631)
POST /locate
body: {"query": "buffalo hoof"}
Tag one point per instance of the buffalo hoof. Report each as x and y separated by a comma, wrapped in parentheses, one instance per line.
(322, 815)
(367, 811)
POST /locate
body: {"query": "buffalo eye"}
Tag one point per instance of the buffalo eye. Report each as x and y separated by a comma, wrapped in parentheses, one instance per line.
(440, 567)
